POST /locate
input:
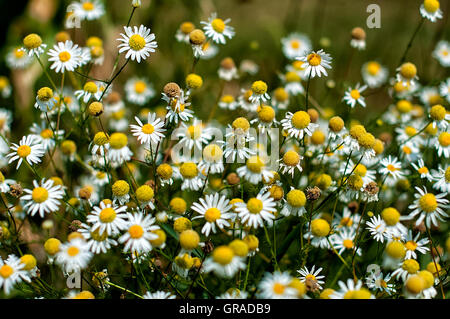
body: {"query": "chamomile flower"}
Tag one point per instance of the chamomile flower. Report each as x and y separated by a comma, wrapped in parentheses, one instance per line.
(295, 203)
(18, 59)
(212, 160)
(353, 96)
(99, 144)
(228, 102)
(374, 74)
(344, 241)
(97, 243)
(439, 116)
(228, 70)
(33, 45)
(257, 210)
(6, 119)
(414, 245)
(65, 56)
(12, 272)
(317, 62)
(45, 136)
(312, 276)
(119, 151)
(191, 176)
(407, 74)
(392, 167)
(298, 124)
(377, 228)
(442, 53)
(351, 290)
(377, 281)
(5, 183)
(150, 132)
(295, 45)
(158, 295)
(358, 40)
(406, 269)
(428, 207)
(28, 150)
(442, 144)
(45, 100)
(74, 255)
(444, 87)
(139, 233)
(276, 286)
(217, 29)
(215, 210)
(223, 262)
(177, 108)
(422, 170)
(442, 178)
(138, 43)
(255, 170)
(289, 162)
(138, 91)
(233, 293)
(107, 218)
(182, 34)
(195, 134)
(90, 90)
(87, 9)
(259, 92)
(43, 198)
(430, 9)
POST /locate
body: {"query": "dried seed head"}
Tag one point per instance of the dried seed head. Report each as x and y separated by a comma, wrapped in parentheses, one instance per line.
(15, 190)
(227, 63)
(353, 206)
(113, 97)
(172, 89)
(312, 193)
(208, 248)
(372, 188)
(358, 33)
(74, 225)
(233, 179)
(314, 115)
(85, 193)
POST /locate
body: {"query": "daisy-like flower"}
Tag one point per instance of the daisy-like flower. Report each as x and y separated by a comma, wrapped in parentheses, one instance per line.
(140, 231)
(227, 70)
(139, 91)
(255, 170)
(107, 218)
(191, 176)
(316, 63)
(44, 198)
(406, 269)
(45, 136)
(292, 83)
(119, 151)
(245, 102)
(280, 98)
(374, 74)
(377, 281)
(428, 207)
(228, 102)
(97, 243)
(158, 295)
(439, 116)
(442, 144)
(212, 160)
(407, 74)
(33, 45)
(18, 59)
(444, 87)
(422, 170)
(45, 100)
(65, 56)
(311, 277)
(5, 183)
(344, 240)
(6, 119)
(12, 272)
(150, 132)
(266, 118)
(5, 87)
(392, 167)
(257, 210)
(276, 286)
(295, 203)
(73, 255)
(215, 210)
(430, 9)
(91, 90)
(289, 162)
(353, 96)
(193, 135)
(295, 45)
(138, 43)
(259, 92)
(177, 108)
(233, 293)
(100, 144)
(298, 124)
(351, 290)
(182, 34)
(223, 262)
(413, 245)
(87, 9)
(442, 178)
(217, 29)
(442, 53)
(377, 228)
(358, 40)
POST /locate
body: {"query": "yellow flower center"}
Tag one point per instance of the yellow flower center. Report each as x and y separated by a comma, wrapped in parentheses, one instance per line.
(361, 170)
(411, 266)
(444, 139)
(223, 255)
(72, 251)
(218, 25)
(212, 214)
(39, 194)
(266, 114)
(391, 216)
(46, 133)
(300, 120)
(136, 231)
(88, 6)
(392, 168)
(408, 70)
(254, 205)
(32, 41)
(23, 151)
(255, 164)
(212, 153)
(355, 94)
(118, 140)
(411, 245)
(148, 129)
(136, 42)
(431, 5)
(423, 170)
(140, 87)
(296, 198)
(45, 94)
(189, 170)
(90, 87)
(259, 87)
(295, 44)
(107, 215)
(373, 68)
(348, 243)
(64, 56)
(346, 221)
(320, 227)
(291, 158)
(314, 59)
(6, 271)
(278, 288)
(428, 203)
(19, 53)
